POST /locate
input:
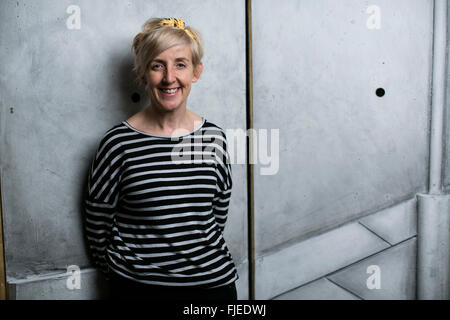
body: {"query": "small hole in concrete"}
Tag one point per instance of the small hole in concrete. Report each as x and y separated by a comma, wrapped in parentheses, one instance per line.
(380, 92)
(135, 97)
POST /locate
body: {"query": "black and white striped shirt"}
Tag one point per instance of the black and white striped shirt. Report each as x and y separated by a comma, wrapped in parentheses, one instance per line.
(156, 206)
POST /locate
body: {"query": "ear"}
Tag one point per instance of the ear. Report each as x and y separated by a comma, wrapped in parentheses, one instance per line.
(198, 69)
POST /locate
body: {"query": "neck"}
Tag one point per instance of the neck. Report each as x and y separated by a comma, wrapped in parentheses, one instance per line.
(174, 123)
(167, 121)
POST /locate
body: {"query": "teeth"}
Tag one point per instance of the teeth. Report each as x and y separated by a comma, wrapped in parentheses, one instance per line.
(169, 90)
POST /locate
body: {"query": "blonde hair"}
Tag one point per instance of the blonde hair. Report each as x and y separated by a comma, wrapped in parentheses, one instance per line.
(155, 38)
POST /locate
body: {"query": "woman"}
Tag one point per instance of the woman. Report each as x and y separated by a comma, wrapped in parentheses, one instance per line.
(160, 183)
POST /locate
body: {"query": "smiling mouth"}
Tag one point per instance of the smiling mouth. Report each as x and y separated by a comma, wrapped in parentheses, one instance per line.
(169, 91)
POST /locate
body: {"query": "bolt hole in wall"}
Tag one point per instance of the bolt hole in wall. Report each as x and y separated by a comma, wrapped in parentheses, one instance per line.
(135, 97)
(380, 92)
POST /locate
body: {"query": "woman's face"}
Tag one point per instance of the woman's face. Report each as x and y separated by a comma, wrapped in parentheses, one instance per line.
(170, 76)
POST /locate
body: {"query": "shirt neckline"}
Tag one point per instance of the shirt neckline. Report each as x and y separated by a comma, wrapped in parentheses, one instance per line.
(161, 136)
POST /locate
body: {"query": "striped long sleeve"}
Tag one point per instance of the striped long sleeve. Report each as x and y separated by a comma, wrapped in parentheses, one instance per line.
(224, 184)
(102, 198)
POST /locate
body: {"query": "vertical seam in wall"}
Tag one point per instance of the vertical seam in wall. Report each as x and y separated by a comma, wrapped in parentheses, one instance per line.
(430, 102)
(437, 114)
(445, 111)
(249, 122)
(2, 250)
(2, 247)
(438, 91)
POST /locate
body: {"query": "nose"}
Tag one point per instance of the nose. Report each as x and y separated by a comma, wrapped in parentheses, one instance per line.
(169, 75)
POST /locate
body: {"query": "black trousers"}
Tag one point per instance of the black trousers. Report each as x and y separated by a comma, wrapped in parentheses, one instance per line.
(125, 289)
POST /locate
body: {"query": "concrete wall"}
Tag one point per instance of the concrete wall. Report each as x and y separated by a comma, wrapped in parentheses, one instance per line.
(349, 199)
(447, 122)
(333, 128)
(62, 88)
(345, 153)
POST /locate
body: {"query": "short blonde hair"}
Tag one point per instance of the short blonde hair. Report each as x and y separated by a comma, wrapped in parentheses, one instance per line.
(155, 38)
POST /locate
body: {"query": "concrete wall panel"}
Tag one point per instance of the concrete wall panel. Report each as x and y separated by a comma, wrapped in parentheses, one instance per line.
(433, 257)
(446, 178)
(344, 151)
(92, 286)
(394, 224)
(396, 269)
(289, 267)
(61, 89)
(321, 289)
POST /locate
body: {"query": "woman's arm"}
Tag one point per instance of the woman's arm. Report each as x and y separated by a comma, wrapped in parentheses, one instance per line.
(221, 200)
(101, 199)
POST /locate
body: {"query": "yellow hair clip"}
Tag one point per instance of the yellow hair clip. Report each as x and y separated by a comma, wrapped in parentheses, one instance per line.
(178, 23)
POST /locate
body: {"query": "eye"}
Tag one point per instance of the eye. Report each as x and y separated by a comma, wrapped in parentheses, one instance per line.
(157, 66)
(181, 66)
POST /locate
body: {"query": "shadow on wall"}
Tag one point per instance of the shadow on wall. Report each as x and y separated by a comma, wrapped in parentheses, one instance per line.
(130, 98)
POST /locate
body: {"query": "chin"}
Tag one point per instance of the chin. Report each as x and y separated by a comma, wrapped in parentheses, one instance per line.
(169, 108)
